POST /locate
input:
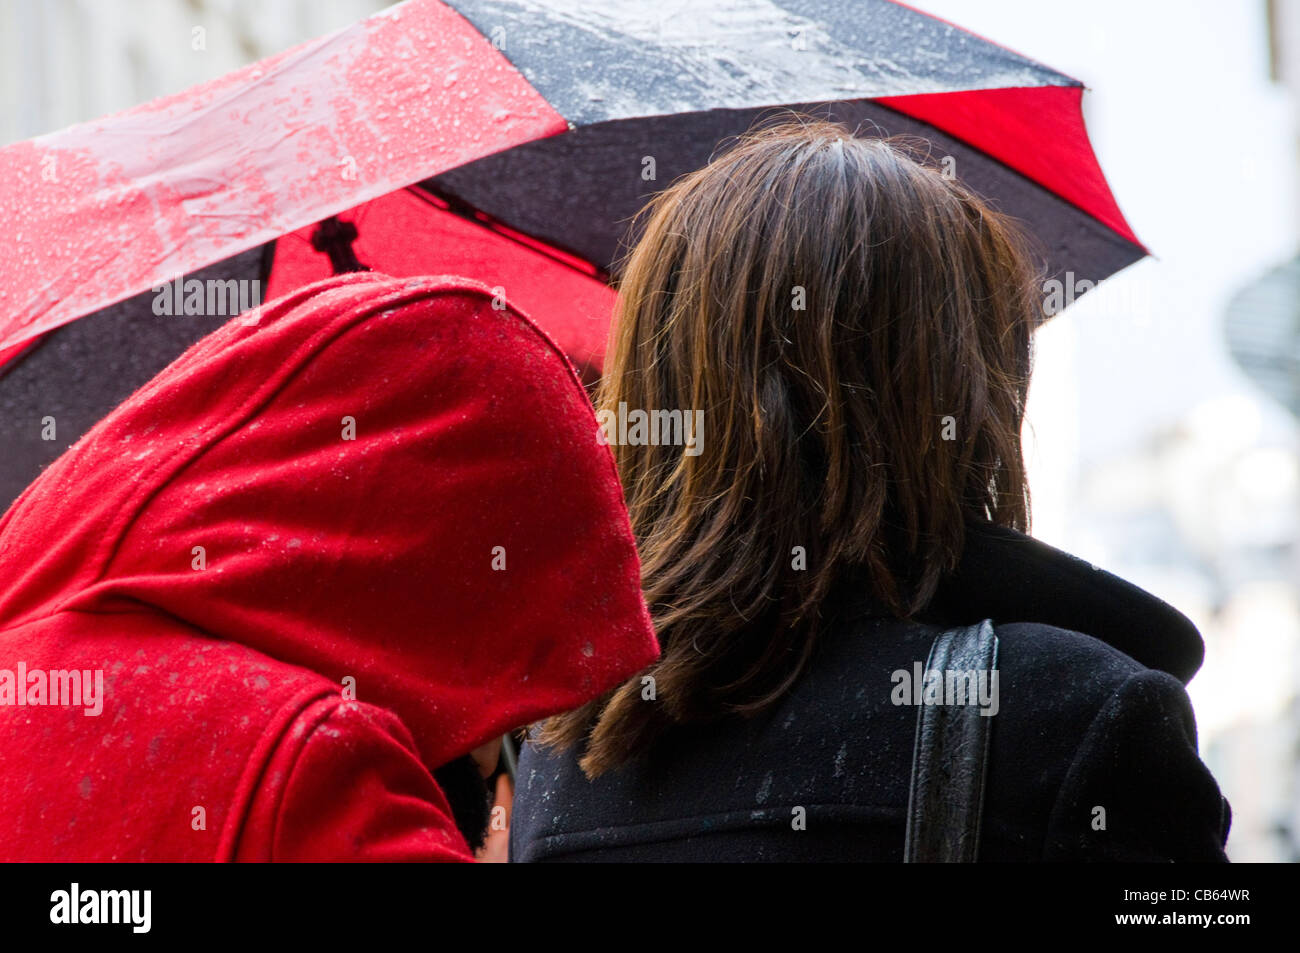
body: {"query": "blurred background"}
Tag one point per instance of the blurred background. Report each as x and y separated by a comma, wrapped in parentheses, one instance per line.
(1162, 437)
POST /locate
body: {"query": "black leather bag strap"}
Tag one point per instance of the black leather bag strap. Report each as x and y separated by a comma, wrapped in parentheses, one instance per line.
(945, 803)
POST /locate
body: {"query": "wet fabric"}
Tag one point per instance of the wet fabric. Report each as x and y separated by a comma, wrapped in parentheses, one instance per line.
(511, 141)
(335, 545)
(1093, 750)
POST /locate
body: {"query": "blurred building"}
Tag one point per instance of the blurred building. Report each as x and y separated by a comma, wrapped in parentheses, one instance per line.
(67, 61)
(1259, 516)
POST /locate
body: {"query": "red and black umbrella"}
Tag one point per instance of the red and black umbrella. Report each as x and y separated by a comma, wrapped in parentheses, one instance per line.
(509, 140)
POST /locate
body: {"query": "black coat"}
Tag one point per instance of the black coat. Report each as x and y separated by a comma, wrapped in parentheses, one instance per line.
(1085, 721)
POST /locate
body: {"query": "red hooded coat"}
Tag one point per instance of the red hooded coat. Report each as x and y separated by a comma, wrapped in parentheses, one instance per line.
(383, 490)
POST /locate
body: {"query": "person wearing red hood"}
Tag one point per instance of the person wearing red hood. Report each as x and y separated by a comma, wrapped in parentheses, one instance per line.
(335, 546)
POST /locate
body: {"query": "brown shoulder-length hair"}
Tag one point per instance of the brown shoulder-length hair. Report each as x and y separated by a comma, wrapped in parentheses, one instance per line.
(855, 328)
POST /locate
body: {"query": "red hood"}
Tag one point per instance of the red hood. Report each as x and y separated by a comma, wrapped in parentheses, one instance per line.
(371, 558)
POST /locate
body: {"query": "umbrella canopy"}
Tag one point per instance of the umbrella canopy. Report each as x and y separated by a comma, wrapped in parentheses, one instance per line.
(510, 140)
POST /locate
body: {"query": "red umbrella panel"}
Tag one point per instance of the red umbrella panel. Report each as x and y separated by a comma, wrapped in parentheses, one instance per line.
(413, 232)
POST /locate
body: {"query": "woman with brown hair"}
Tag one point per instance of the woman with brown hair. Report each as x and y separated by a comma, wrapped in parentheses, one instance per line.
(852, 330)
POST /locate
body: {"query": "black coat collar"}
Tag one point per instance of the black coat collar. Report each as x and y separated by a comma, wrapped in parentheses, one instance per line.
(1010, 577)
